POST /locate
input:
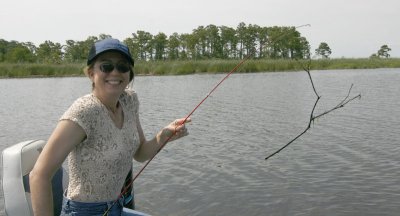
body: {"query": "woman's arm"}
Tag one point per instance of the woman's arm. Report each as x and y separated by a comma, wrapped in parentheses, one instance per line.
(173, 131)
(66, 135)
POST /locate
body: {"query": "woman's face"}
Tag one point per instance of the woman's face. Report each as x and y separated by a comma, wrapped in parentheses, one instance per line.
(110, 74)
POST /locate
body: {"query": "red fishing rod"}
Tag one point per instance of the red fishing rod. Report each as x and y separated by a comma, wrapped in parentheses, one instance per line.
(191, 113)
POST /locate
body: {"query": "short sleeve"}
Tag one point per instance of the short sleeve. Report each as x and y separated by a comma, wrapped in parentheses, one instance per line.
(83, 112)
(133, 101)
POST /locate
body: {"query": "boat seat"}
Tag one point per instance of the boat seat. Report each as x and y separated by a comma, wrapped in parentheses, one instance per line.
(18, 160)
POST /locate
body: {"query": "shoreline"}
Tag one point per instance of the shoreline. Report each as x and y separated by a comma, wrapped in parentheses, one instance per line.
(162, 68)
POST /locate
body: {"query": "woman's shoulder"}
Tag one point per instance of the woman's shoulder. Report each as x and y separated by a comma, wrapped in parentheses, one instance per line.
(129, 94)
(129, 99)
(84, 111)
(86, 101)
(85, 105)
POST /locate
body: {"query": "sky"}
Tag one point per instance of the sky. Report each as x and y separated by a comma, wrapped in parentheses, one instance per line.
(351, 28)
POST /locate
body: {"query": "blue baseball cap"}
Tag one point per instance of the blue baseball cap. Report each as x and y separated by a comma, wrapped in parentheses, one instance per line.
(109, 44)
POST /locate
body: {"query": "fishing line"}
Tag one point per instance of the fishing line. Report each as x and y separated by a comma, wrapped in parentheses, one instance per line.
(247, 57)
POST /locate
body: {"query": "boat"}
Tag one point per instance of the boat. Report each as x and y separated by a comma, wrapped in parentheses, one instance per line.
(18, 160)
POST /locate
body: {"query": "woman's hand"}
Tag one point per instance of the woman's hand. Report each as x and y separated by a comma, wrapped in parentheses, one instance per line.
(174, 130)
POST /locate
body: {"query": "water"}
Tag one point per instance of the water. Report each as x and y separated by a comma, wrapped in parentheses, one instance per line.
(347, 164)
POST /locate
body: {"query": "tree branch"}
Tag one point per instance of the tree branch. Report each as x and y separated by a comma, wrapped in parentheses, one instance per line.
(341, 104)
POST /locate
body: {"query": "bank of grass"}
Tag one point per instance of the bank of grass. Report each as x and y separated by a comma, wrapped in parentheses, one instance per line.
(366, 63)
(13, 70)
(214, 66)
(8, 70)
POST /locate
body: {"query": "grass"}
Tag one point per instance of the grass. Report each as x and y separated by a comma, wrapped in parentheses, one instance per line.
(8, 70)
(14, 70)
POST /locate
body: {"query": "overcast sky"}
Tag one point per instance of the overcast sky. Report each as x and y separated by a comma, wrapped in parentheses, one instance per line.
(352, 28)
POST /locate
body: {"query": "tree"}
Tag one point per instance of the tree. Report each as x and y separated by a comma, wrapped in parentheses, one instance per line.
(49, 52)
(144, 46)
(275, 47)
(323, 50)
(75, 51)
(173, 46)
(249, 40)
(240, 33)
(188, 42)
(3, 49)
(228, 42)
(220, 42)
(19, 54)
(302, 49)
(199, 36)
(160, 43)
(262, 34)
(104, 36)
(290, 43)
(133, 47)
(384, 51)
(213, 41)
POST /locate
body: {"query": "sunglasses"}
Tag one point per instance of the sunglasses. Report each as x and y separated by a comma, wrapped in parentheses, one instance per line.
(109, 67)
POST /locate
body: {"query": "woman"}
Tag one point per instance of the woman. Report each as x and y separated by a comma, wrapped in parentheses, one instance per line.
(100, 133)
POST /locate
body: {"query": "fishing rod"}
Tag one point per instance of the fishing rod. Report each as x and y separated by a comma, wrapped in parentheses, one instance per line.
(247, 57)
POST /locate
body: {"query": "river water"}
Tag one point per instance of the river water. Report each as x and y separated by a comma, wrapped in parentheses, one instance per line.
(347, 164)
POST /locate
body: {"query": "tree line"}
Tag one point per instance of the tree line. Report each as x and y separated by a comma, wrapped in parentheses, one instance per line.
(325, 51)
(205, 42)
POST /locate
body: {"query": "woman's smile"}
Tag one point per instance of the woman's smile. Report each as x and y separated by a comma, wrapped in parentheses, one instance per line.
(114, 81)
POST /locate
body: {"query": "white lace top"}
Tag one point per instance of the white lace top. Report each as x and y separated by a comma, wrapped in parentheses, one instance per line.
(98, 166)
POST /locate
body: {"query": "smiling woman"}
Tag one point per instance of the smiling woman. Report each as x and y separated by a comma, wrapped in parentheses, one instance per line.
(109, 82)
(100, 133)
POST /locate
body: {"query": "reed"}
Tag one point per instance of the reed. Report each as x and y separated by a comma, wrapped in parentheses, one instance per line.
(213, 66)
(9, 70)
(361, 63)
(260, 65)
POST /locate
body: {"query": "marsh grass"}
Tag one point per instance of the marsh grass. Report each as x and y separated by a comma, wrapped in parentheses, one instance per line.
(366, 63)
(223, 66)
(213, 66)
(8, 70)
